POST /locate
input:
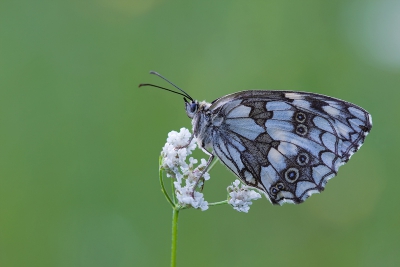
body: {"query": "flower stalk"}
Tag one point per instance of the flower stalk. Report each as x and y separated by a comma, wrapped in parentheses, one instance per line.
(187, 182)
(175, 214)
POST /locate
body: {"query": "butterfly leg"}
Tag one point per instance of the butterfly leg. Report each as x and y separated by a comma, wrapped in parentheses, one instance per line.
(188, 143)
(210, 159)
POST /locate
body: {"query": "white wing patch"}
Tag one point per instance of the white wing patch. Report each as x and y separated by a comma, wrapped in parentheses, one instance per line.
(323, 124)
(329, 140)
(224, 158)
(279, 125)
(288, 149)
(239, 111)
(231, 105)
(235, 155)
(356, 123)
(344, 130)
(303, 186)
(293, 96)
(269, 176)
(331, 110)
(335, 105)
(237, 143)
(277, 160)
(278, 105)
(328, 158)
(319, 172)
(357, 113)
(249, 178)
(284, 115)
(302, 104)
(285, 197)
(245, 127)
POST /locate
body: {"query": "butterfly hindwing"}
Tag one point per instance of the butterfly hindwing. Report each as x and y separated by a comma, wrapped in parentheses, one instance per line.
(287, 144)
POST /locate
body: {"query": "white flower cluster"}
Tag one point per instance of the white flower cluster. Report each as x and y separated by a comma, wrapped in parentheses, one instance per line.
(240, 197)
(174, 155)
(187, 175)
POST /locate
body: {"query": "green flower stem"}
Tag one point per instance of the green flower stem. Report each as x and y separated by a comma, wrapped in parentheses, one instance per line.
(173, 191)
(175, 213)
(176, 208)
(160, 173)
(218, 203)
(212, 164)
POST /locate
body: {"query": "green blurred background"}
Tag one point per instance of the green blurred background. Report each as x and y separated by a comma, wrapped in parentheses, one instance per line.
(79, 141)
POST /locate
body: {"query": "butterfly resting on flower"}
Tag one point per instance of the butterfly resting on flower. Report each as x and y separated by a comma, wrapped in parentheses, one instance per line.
(286, 144)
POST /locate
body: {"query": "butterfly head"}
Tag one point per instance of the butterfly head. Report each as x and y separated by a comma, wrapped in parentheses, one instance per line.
(191, 107)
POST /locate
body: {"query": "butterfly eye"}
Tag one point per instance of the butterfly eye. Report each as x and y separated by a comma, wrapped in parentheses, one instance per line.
(193, 107)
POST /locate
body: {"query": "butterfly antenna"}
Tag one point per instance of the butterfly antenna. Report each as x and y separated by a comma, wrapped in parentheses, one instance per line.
(152, 85)
(165, 79)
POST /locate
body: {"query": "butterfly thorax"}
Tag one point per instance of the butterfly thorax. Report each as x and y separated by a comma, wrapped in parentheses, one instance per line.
(201, 122)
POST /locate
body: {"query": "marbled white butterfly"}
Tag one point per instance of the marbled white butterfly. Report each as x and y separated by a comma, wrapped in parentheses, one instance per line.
(287, 144)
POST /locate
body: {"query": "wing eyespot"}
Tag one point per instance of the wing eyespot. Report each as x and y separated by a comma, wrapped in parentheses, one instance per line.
(300, 117)
(291, 175)
(303, 159)
(301, 129)
(274, 190)
(280, 186)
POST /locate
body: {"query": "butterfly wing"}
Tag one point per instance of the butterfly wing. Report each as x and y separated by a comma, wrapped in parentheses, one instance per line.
(287, 144)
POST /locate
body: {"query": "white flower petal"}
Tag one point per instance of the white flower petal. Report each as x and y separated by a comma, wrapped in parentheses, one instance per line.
(241, 197)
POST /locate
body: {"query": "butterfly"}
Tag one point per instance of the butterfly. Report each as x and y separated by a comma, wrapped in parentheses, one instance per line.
(287, 144)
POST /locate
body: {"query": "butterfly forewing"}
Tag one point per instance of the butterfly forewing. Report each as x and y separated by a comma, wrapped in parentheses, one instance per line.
(287, 144)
